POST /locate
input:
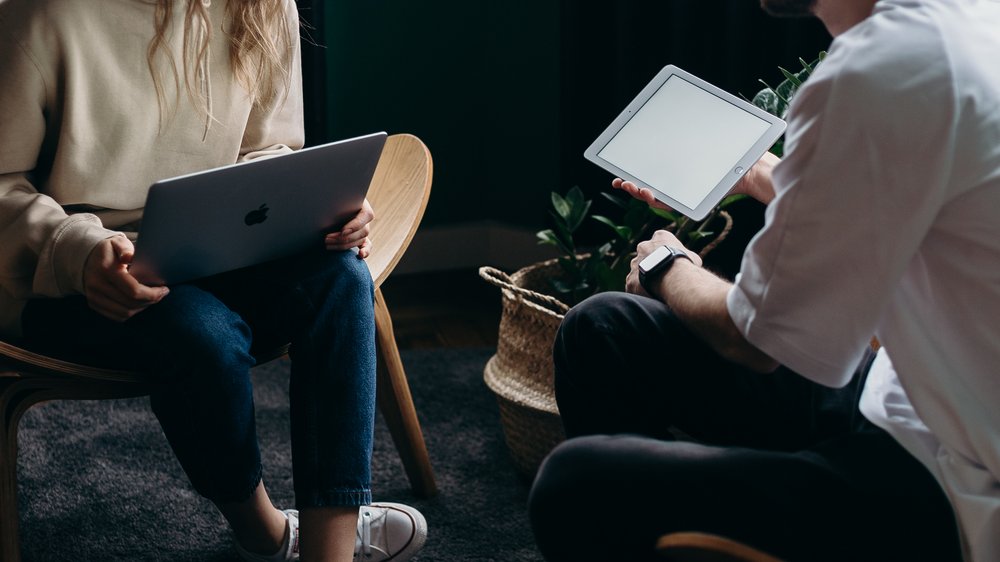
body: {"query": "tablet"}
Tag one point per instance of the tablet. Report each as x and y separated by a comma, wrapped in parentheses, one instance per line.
(686, 140)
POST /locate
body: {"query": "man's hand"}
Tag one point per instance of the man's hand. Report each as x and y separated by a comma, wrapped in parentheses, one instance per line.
(756, 183)
(640, 193)
(110, 289)
(355, 233)
(660, 238)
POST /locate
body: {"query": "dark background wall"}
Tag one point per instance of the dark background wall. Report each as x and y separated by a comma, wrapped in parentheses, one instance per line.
(507, 95)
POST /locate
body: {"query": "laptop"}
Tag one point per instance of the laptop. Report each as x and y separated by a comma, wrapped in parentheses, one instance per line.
(248, 213)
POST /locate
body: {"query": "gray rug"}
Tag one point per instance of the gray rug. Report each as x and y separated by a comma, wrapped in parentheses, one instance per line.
(98, 481)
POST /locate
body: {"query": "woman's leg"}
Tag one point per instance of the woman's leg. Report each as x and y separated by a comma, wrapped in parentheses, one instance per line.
(199, 349)
(323, 303)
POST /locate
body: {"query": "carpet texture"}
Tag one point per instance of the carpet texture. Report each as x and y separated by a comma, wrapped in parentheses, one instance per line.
(99, 482)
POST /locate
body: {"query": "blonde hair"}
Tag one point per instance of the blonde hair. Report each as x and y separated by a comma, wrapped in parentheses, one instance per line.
(259, 35)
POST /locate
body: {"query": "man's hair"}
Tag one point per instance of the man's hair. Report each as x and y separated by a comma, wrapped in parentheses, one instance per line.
(258, 34)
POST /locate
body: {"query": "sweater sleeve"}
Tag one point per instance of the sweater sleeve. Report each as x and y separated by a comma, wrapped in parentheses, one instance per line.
(277, 127)
(43, 249)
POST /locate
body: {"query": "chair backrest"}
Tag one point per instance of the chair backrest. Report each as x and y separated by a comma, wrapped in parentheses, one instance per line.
(399, 193)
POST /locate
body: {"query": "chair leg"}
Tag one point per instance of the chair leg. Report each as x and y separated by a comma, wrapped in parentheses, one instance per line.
(692, 546)
(396, 403)
(14, 400)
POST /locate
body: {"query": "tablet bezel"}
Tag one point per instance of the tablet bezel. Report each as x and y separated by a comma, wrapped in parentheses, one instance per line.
(736, 170)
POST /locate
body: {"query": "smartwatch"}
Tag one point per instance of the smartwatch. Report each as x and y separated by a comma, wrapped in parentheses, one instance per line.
(656, 264)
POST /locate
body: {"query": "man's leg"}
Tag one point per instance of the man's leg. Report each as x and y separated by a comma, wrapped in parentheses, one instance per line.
(626, 364)
(610, 497)
(778, 453)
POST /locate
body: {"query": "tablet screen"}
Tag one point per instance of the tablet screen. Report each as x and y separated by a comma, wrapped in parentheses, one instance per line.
(684, 140)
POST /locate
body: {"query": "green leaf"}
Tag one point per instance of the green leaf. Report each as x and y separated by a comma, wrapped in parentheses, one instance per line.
(575, 196)
(547, 237)
(729, 200)
(618, 200)
(669, 216)
(578, 212)
(561, 205)
(793, 79)
(567, 288)
(623, 232)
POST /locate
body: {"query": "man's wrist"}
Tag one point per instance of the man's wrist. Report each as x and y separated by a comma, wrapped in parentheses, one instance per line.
(654, 267)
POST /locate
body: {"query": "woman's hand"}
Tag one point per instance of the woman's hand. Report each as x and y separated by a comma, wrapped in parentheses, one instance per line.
(110, 289)
(354, 234)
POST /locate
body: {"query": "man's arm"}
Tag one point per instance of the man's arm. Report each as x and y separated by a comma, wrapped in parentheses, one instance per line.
(698, 298)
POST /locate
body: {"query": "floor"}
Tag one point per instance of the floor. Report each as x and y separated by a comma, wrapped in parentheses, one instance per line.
(443, 309)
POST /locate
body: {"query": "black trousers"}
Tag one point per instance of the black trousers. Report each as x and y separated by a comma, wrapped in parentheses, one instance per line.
(774, 461)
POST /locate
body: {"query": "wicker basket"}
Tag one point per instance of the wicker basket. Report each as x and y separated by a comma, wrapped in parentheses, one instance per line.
(521, 372)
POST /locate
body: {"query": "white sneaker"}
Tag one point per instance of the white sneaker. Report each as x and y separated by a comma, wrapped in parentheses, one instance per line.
(389, 531)
(386, 531)
(289, 551)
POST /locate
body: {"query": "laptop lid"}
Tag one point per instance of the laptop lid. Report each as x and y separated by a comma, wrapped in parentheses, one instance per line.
(243, 214)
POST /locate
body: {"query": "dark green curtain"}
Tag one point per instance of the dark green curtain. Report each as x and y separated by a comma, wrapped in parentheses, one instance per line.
(611, 49)
(508, 94)
(313, 70)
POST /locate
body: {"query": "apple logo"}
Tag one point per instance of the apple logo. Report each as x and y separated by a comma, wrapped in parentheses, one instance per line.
(256, 216)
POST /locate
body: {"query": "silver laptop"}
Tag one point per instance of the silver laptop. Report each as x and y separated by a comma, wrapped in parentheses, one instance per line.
(248, 213)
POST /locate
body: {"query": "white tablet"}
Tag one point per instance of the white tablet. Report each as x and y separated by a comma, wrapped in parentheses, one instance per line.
(686, 140)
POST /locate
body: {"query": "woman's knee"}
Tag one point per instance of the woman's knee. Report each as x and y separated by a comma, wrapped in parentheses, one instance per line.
(191, 329)
(344, 269)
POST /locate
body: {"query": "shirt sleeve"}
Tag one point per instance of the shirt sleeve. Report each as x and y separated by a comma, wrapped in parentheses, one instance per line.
(44, 249)
(867, 159)
(278, 126)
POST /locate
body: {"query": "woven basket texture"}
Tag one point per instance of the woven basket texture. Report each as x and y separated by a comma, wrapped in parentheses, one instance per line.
(521, 371)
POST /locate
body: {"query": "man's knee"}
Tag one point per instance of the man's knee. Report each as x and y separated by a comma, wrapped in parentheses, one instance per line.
(593, 324)
(572, 488)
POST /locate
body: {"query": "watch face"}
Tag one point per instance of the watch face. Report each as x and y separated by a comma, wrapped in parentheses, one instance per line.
(654, 258)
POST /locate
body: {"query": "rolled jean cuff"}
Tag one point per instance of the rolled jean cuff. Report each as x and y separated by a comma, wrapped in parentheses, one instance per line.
(230, 493)
(335, 498)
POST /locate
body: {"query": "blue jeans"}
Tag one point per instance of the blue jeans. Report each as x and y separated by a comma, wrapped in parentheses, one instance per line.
(200, 342)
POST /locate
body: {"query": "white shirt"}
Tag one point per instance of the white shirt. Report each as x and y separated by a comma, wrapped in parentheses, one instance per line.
(887, 221)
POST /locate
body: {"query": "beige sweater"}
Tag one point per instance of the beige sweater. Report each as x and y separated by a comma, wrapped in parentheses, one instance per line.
(81, 135)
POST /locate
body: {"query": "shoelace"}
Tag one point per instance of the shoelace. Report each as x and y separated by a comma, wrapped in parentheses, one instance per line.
(366, 533)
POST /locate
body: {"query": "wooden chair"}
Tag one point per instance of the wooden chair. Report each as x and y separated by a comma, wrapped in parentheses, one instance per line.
(692, 546)
(399, 193)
